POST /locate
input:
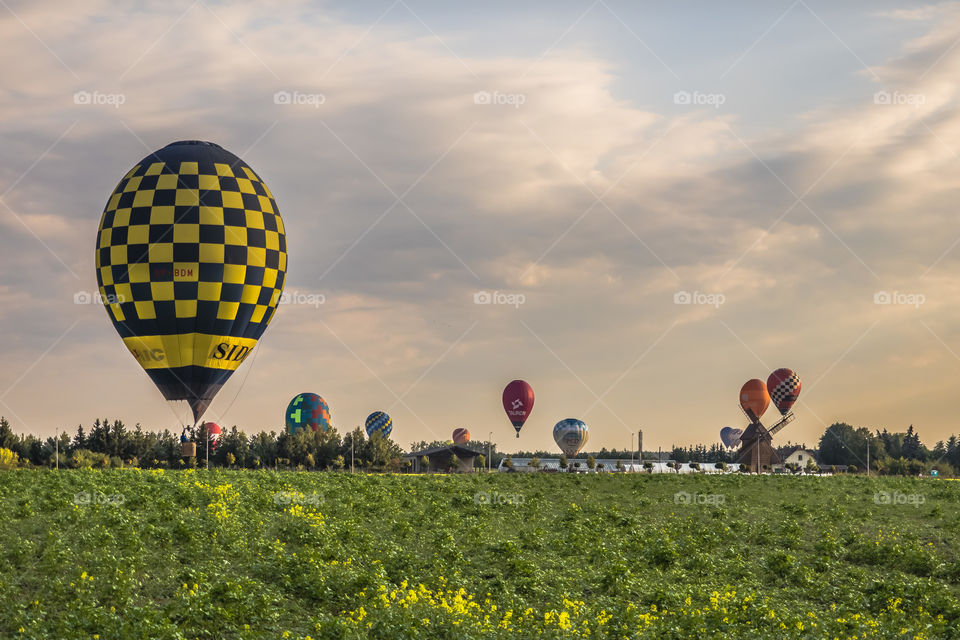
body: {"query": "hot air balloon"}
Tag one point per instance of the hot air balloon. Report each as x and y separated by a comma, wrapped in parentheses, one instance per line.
(754, 399)
(571, 434)
(308, 410)
(784, 388)
(191, 259)
(730, 436)
(461, 435)
(518, 403)
(379, 421)
(213, 434)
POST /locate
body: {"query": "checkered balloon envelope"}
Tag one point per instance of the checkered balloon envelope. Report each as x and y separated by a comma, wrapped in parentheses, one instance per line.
(191, 260)
(784, 387)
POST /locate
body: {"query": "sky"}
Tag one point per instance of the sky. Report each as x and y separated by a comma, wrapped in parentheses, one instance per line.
(659, 201)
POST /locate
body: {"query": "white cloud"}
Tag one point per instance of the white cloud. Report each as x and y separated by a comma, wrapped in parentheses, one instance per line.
(503, 184)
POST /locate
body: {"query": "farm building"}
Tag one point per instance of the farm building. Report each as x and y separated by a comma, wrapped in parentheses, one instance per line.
(439, 459)
(799, 456)
(552, 465)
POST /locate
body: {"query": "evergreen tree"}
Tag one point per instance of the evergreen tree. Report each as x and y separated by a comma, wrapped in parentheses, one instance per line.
(8, 440)
(80, 440)
(913, 449)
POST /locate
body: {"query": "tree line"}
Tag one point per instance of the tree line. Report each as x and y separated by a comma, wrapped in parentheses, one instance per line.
(112, 444)
(889, 453)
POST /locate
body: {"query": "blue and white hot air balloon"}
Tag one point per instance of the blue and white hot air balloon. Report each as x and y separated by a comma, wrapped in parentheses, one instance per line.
(571, 435)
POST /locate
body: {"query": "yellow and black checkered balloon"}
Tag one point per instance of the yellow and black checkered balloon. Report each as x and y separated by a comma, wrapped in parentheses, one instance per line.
(191, 261)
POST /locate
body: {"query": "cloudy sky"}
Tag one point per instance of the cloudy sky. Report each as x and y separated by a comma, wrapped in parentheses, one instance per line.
(791, 166)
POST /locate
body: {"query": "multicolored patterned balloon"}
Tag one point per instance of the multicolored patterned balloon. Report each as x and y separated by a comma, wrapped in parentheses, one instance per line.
(571, 435)
(461, 435)
(784, 387)
(379, 421)
(308, 410)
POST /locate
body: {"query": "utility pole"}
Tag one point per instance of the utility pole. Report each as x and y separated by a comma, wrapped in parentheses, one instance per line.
(640, 446)
(868, 458)
(489, 441)
(352, 438)
(659, 460)
(57, 448)
(631, 451)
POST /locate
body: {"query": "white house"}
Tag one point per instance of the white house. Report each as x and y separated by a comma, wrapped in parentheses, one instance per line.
(799, 456)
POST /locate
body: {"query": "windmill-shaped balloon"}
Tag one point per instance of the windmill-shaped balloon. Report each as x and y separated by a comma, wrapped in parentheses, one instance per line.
(782, 388)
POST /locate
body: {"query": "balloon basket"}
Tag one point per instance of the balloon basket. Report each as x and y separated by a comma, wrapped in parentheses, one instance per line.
(188, 449)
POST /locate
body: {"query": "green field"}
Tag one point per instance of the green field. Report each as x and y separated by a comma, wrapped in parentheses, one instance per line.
(152, 554)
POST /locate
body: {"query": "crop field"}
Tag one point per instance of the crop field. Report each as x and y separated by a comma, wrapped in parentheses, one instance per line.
(232, 554)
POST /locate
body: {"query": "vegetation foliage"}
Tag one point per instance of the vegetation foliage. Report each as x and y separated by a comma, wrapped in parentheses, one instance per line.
(129, 553)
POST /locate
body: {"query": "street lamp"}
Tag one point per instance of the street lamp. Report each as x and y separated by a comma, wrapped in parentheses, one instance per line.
(640, 446)
(489, 463)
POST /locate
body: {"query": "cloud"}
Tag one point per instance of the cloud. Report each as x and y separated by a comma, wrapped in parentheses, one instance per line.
(404, 194)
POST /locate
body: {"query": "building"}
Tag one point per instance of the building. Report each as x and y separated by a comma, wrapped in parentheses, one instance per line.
(757, 451)
(439, 459)
(799, 456)
(552, 465)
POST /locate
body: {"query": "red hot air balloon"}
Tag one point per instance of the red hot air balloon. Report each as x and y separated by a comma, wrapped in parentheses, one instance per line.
(213, 433)
(784, 388)
(518, 403)
(461, 435)
(754, 399)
